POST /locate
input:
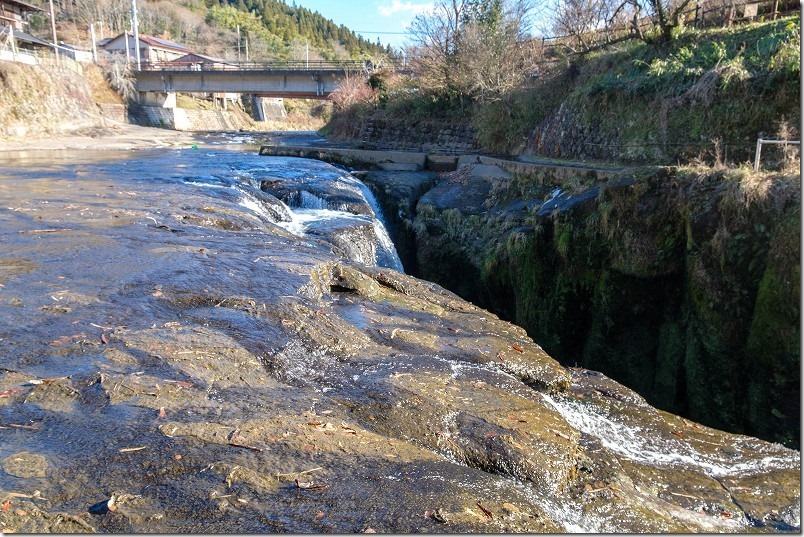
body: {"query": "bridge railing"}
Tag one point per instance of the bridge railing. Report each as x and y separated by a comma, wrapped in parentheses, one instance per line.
(275, 65)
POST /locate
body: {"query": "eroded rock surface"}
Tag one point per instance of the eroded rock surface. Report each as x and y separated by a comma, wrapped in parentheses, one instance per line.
(165, 372)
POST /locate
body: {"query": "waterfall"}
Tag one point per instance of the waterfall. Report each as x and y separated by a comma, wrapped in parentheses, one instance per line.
(326, 202)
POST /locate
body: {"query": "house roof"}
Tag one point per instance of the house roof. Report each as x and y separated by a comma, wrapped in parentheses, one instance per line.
(154, 42)
(194, 56)
(24, 37)
(163, 43)
(23, 6)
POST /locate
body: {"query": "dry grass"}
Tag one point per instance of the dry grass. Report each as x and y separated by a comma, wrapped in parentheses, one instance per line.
(101, 92)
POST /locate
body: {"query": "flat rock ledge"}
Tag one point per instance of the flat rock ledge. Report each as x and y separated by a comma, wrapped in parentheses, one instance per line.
(174, 363)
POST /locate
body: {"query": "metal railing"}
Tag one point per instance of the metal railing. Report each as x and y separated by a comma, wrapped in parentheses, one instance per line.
(760, 141)
(274, 65)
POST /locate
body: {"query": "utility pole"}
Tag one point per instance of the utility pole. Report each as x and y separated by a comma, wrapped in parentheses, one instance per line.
(13, 42)
(238, 43)
(92, 36)
(53, 29)
(136, 33)
(306, 54)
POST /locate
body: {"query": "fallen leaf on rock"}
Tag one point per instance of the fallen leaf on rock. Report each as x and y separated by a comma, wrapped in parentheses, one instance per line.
(325, 427)
(689, 423)
(44, 230)
(129, 450)
(12, 391)
(244, 446)
(67, 339)
(309, 485)
(517, 348)
(36, 382)
(179, 383)
(485, 511)
(6, 506)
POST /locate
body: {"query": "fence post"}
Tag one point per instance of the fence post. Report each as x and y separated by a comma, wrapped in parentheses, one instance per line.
(756, 156)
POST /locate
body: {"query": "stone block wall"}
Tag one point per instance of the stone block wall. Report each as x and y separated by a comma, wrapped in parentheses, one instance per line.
(115, 112)
(433, 137)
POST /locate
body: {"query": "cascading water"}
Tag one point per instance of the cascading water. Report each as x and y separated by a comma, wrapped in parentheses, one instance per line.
(314, 198)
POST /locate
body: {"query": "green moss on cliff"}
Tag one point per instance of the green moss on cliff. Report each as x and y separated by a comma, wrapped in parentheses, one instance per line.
(682, 286)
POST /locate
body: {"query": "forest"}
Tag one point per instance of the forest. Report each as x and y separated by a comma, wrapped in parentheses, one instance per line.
(269, 29)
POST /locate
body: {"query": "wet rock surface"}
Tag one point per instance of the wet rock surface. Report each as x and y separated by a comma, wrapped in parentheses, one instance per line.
(680, 283)
(180, 363)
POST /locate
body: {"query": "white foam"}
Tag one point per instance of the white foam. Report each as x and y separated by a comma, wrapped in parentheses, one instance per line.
(644, 445)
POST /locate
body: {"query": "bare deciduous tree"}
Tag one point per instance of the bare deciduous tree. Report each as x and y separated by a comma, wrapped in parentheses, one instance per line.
(119, 75)
(587, 23)
(471, 48)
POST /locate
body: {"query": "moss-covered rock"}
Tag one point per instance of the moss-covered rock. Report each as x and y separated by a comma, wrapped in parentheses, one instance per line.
(681, 284)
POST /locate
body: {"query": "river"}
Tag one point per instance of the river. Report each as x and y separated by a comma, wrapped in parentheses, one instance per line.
(206, 340)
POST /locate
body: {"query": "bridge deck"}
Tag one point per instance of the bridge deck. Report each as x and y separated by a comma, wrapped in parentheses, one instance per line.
(291, 78)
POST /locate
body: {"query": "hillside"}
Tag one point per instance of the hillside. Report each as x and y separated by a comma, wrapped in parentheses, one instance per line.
(704, 95)
(270, 29)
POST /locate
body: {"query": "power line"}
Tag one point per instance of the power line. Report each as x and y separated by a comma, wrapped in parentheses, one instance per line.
(383, 33)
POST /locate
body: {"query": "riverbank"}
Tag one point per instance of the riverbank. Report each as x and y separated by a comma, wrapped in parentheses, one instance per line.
(116, 136)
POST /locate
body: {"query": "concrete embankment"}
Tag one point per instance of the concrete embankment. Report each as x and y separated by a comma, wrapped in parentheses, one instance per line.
(482, 165)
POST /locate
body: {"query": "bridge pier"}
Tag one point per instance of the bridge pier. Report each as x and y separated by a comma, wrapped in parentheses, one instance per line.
(160, 99)
(267, 108)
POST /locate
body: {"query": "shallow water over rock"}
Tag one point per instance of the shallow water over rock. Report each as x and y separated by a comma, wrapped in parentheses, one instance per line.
(175, 360)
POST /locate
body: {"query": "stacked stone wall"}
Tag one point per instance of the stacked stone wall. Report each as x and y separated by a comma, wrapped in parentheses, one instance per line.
(427, 136)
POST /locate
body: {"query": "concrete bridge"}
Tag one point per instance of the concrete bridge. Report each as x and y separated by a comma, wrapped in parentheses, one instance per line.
(292, 79)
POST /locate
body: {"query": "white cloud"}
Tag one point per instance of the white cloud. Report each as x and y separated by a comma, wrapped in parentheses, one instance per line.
(407, 8)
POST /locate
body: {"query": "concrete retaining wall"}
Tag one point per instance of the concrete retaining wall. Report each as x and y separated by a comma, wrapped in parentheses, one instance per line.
(185, 120)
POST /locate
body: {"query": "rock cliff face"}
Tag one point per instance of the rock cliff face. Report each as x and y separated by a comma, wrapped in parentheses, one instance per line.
(35, 100)
(683, 287)
(176, 362)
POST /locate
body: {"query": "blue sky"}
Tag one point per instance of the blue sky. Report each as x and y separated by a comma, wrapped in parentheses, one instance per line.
(386, 19)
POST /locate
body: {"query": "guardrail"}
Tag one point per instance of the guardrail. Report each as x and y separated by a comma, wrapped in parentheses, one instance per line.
(276, 65)
(760, 141)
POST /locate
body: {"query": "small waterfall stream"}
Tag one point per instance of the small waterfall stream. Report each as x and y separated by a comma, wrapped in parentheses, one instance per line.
(308, 197)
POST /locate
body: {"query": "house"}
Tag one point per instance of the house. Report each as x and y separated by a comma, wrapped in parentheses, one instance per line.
(200, 62)
(14, 12)
(18, 46)
(152, 49)
(22, 40)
